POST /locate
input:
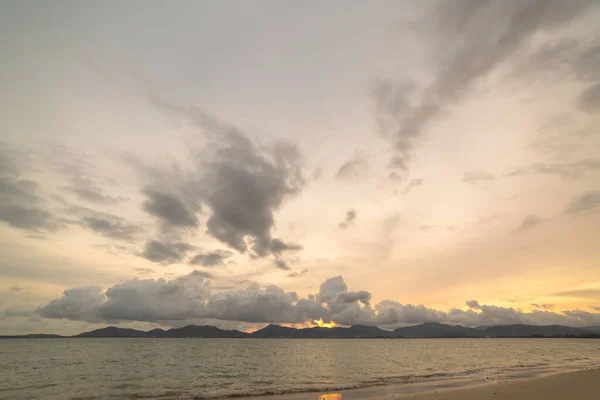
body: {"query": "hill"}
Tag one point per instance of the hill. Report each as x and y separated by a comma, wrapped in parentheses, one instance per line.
(425, 330)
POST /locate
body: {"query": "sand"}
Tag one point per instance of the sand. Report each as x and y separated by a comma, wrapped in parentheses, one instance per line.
(579, 385)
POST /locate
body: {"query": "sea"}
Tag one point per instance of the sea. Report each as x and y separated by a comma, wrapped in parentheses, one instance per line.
(227, 368)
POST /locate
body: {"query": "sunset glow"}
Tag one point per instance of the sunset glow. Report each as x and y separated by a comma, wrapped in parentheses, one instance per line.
(321, 324)
(399, 163)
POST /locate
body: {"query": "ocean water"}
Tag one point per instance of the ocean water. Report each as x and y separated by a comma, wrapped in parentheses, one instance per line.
(220, 368)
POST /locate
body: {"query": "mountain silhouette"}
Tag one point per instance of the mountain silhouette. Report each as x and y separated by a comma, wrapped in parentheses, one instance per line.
(425, 330)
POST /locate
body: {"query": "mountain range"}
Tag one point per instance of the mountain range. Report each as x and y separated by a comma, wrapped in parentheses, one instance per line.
(425, 330)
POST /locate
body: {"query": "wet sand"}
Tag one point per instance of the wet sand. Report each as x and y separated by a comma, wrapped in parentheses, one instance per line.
(578, 385)
(581, 385)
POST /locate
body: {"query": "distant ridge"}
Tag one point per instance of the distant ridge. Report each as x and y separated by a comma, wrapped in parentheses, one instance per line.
(425, 330)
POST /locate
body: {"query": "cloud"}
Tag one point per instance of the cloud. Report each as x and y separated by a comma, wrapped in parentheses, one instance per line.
(584, 203)
(589, 100)
(481, 36)
(241, 183)
(414, 183)
(81, 174)
(317, 173)
(79, 304)
(13, 312)
(21, 204)
(543, 306)
(37, 237)
(18, 288)
(565, 170)
(190, 297)
(184, 298)
(144, 271)
(477, 177)
(93, 194)
(529, 222)
(211, 258)
(348, 220)
(473, 304)
(355, 169)
(583, 293)
(281, 264)
(297, 274)
(587, 65)
(170, 210)
(107, 225)
(28, 218)
(165, 253)
(278, 247)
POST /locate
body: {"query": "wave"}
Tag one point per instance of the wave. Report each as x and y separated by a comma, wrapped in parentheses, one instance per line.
(471, 374)
(514, 371)
(374, 382)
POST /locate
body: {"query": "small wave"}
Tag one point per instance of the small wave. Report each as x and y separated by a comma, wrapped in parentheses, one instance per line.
(379, 381)
(125, 385)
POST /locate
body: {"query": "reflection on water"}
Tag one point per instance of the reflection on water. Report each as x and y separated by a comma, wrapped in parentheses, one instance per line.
(202, 369)
(331, 396)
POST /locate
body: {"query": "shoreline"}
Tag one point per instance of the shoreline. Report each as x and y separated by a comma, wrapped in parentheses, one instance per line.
(581, 384)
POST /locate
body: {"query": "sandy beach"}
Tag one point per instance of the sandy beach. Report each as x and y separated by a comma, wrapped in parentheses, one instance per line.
(579, 385)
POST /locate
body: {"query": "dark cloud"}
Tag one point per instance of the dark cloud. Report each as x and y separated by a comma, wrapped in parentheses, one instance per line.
(212, 258)
(529, 222)
(281, 264)
(543, 306)
(477, 176)
(583, 293)
(28, 218)
(565, 170)
(587, 65)
(278, 247)
(242, 184)
(203, 274)
(297, 274)
(190, 297)
(170, 210)
(583, 203)
(107, 225)
(93, 194)
(473, 304)
(355, 169)
(472, 39)
(21, 202)
(348, 219)
(166, 253)
(589, 100)
(79, 304)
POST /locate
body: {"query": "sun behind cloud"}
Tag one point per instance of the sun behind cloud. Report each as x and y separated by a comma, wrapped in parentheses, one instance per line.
(321, 324)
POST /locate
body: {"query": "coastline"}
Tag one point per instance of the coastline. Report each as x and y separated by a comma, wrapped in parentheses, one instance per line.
(560, 385)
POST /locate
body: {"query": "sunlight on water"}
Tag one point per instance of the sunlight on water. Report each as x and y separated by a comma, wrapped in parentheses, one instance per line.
(331, 396)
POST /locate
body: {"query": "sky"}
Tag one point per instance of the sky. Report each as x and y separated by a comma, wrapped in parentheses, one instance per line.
(242, 163)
